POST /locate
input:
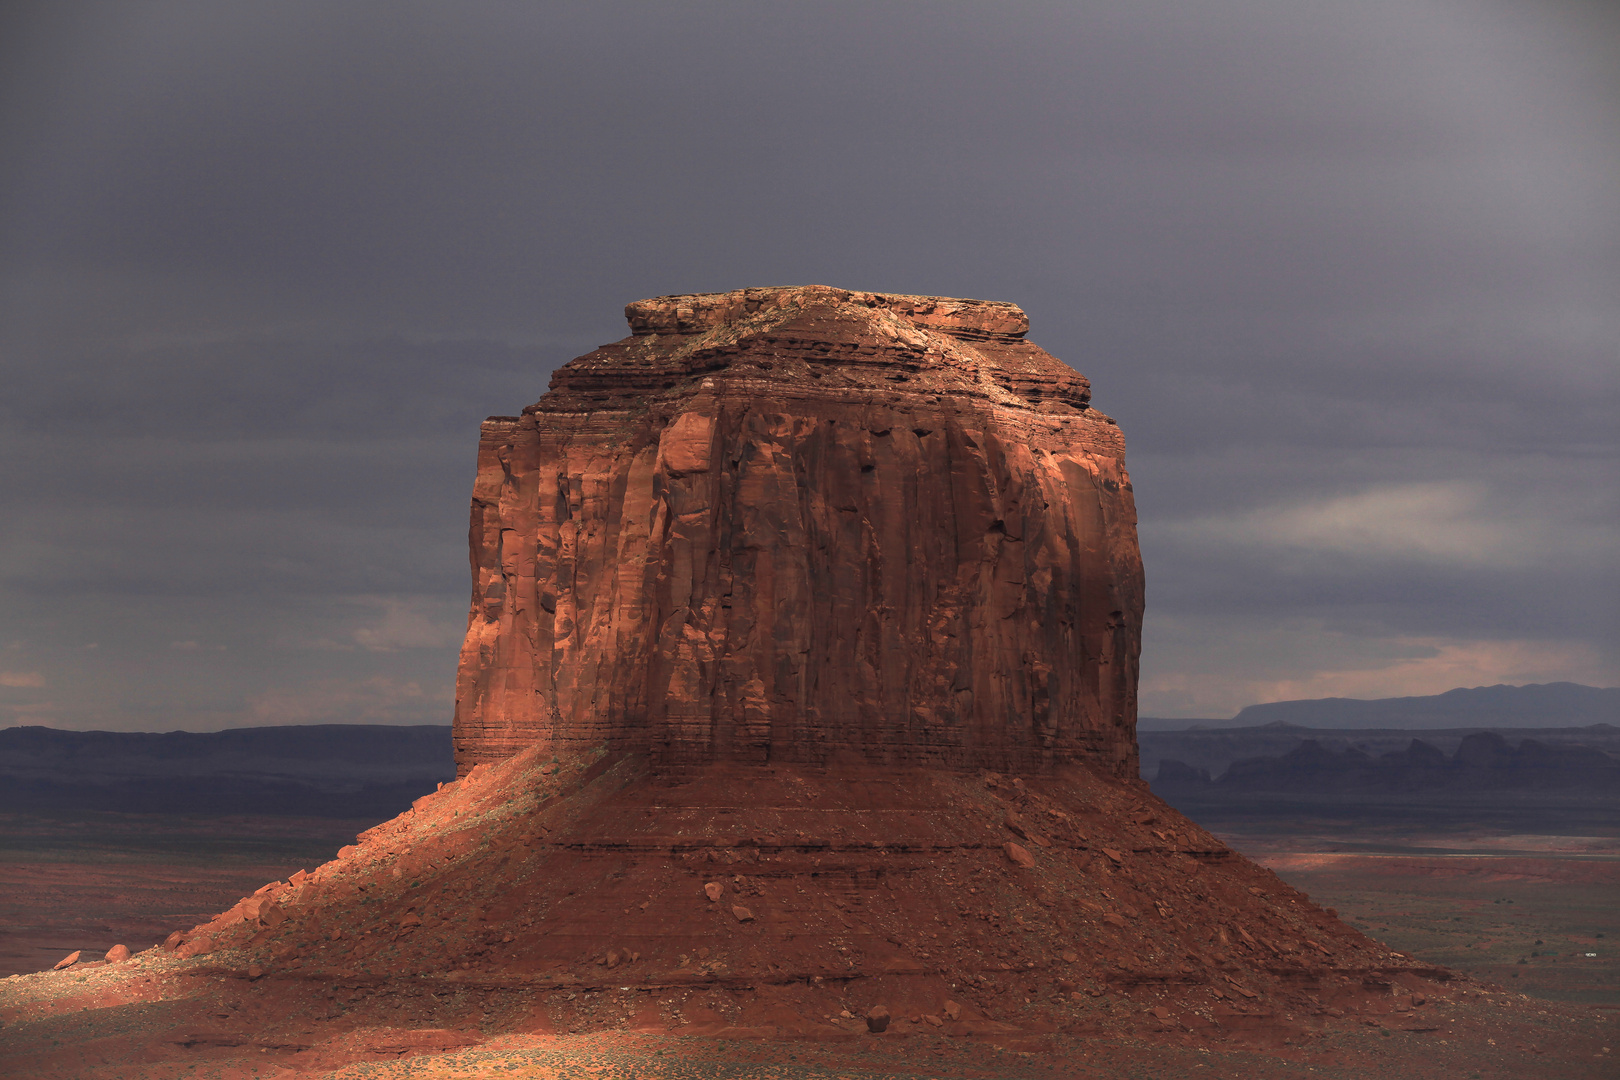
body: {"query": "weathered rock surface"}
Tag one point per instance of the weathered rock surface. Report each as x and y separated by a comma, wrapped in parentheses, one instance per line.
(779, 524)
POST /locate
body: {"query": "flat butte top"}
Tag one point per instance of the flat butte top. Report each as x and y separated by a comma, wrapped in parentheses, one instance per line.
(822, 342)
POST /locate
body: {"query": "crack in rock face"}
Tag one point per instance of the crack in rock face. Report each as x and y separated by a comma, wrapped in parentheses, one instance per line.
(806, 525)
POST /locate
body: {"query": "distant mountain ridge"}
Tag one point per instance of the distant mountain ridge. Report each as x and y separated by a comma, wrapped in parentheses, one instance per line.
(1537, 705)
(1214, 750)
(1482, 761)
(324, 770)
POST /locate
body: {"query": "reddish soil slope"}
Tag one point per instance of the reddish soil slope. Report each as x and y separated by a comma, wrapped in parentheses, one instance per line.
(537, 898)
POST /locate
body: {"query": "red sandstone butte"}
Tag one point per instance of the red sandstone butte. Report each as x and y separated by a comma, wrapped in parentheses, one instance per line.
(780, 525)
(817, 551)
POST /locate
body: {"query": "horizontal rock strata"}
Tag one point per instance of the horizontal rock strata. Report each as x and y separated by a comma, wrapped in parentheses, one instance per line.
(774, 525)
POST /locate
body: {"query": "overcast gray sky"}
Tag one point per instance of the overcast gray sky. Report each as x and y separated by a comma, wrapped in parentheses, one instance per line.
(1345, 271)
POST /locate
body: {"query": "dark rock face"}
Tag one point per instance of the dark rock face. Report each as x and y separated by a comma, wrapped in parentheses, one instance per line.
(780, 524)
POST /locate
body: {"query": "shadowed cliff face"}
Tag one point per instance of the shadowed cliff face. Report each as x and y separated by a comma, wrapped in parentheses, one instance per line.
(778, 524)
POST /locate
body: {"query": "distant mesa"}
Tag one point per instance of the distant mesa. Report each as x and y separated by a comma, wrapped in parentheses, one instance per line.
(1482, 761)
(1553, 705)
(1543, 705)
(322, 770)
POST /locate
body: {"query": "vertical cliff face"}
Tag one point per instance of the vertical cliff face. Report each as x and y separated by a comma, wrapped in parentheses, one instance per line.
(780, 524)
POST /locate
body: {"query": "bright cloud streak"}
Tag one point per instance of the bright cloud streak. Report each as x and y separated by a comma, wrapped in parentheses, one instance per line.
(1458, 522)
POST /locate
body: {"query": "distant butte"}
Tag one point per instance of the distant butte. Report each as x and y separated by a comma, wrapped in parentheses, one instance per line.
(778, 525)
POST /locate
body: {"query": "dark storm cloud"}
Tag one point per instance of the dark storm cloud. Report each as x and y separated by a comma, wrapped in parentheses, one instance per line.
(1345, 273)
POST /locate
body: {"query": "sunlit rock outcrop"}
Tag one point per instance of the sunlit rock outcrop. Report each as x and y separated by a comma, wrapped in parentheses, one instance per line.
(787, 524)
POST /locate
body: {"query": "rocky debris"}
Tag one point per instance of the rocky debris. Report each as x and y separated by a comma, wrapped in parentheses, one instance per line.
(755, 528)
(952, 1010)
(714, 891)
(877, 1019)
(201, 945)
(1019, 855)
(742, 914)
(117, 954)
(67, 961)
(262, 908)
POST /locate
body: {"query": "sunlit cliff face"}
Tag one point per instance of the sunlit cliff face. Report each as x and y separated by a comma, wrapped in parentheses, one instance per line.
(780, 524)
